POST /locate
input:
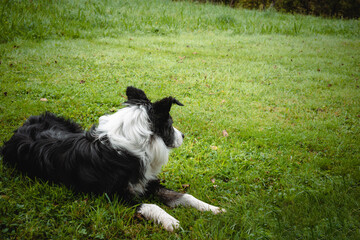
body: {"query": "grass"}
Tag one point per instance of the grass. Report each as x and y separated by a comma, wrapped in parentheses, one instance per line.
(93, 19)
(284, 87)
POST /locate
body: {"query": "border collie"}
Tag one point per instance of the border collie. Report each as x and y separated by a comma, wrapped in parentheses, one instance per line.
(122, 155)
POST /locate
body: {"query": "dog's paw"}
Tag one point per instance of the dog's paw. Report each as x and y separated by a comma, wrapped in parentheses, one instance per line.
(170, 224)
(217, 210)
(159, 216)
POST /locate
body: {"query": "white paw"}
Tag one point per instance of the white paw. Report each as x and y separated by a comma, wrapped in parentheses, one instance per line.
(171, 224)
(217, 210)
(159, 216)
(189, 200)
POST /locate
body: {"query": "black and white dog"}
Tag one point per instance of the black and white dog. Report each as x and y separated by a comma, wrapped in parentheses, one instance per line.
(122, 155)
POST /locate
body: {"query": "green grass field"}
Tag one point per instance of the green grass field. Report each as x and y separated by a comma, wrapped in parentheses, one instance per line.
(285, 88)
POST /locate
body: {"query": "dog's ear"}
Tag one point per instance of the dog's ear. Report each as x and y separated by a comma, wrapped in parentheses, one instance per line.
(164, 105)
(135, 94)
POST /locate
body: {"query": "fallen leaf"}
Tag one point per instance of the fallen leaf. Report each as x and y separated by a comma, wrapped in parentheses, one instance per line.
(43, 99)
(5, 197)
(185, 186)
(82, 81)
(195, 53)
(223, 101)
(329, 85)
(214, 147)
(225, 133)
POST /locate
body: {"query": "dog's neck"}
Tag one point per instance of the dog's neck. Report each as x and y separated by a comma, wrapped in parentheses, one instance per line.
(129, 129)
(158, 154)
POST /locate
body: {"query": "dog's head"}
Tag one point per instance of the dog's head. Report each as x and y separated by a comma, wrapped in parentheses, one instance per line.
(159, 116)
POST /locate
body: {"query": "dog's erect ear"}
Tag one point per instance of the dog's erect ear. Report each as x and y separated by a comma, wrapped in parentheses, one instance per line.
(164, 105)
(135, 94)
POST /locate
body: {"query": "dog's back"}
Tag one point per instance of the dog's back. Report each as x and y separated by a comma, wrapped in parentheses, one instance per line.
(35, 129)
(48, 121)
(59, 150)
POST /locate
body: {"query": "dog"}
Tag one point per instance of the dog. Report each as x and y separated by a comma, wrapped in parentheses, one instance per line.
(120, 156)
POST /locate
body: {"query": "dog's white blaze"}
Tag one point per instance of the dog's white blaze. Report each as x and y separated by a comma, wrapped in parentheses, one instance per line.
(158, 215)
(178, 138)
(188, 200)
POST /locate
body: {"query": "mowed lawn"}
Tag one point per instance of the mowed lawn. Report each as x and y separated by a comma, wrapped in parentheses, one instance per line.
(271, 116)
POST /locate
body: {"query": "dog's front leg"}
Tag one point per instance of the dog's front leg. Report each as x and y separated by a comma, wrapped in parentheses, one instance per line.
(173, 199)
(189, 200)
(159, 216)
